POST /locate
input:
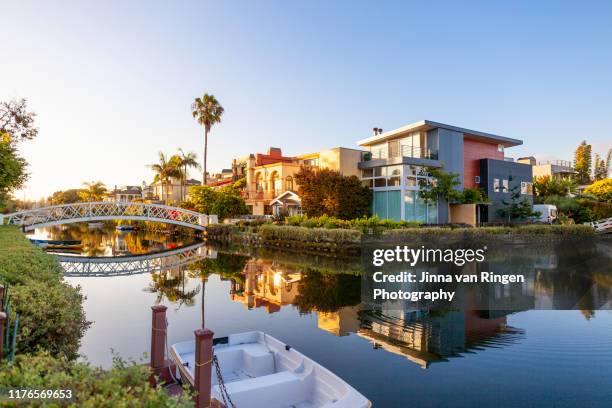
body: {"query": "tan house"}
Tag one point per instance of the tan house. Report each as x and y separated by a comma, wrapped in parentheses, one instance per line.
(172, 192)
(555, 169)
(124, 194)
(270, 176)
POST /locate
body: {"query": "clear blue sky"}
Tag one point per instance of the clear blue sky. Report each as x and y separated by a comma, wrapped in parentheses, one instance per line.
(112, 83)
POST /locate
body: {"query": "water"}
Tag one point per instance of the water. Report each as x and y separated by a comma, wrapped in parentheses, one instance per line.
(560, 358)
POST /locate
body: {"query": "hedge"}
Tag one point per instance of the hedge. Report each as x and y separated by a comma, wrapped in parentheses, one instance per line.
(50, 310)
(124, 385)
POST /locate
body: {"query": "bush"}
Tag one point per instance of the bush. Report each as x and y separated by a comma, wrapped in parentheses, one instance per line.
(50, 311)
(601, 189)
(124, 385)
(326, 191)
(360, 224)
(270, 233)
(51, 317)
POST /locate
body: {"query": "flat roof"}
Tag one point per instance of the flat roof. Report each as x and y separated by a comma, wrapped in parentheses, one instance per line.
(428, 124)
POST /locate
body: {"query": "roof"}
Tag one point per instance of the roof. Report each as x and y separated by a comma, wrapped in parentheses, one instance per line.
(288, 197)
(428, 124)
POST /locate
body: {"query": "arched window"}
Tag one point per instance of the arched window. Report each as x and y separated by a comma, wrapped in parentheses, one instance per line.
(289, 183)
(258, 182)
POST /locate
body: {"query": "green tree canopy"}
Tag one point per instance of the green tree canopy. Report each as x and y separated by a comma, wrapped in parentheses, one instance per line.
(207, 111)
(582, 163)
(326, 191)
(601, 189)
(13, 167)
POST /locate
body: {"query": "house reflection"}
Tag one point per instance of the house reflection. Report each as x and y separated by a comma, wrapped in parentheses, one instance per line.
(427, 337)
(266, 284)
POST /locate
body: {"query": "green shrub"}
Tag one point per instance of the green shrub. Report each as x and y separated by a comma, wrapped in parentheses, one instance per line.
(124, 385)
(51, 317)
(50, 311)
(271, 233)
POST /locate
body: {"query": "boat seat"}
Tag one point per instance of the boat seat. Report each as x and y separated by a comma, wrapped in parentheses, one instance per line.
(274, 390)
(253, 359)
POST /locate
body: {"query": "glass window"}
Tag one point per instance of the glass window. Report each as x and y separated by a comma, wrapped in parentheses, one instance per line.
(432, 212)
(380, 182)
(500, 148)
(366, 173)
(526, 188)
(380, 171)
(394, 170)
(409, 205)
(420, 209)
(394, 202)
(505, 185)
(411, 181)
(380, 204)
(393, 181)
(496, 185)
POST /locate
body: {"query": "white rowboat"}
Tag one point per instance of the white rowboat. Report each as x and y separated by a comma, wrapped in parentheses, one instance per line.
(259, 371)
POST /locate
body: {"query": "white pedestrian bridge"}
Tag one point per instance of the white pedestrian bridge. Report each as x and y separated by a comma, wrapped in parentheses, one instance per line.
(101, 211)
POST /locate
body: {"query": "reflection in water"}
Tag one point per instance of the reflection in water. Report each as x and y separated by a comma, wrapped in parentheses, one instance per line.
(316, 306)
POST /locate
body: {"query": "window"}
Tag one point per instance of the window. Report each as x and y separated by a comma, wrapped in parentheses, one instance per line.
(289, 183)
(500, 148)
(477, 179)
(311, 162)
(505, 186)
(367, 173)
(496, 185)
(526, 188)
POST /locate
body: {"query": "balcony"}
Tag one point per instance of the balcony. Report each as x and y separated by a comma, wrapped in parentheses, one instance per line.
(261, 195)
(403, 151)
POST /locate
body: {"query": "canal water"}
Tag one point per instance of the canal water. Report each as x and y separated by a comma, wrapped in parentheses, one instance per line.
(410, 358)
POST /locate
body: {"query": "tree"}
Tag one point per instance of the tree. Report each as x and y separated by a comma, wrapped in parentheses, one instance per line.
(326, 191)
(517, 208)
(473, 196)
(95, 191)
(164, 169)
(16, 121)
(582, 163)
(546, 186)
(440, 186)
(601, 189)
(608, 162)
(600, 171)
(207, 111)
(224, 203)
(65, 197)
(185, 161)
(13, 173)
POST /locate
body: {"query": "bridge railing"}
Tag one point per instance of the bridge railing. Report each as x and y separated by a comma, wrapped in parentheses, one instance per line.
(108, 210)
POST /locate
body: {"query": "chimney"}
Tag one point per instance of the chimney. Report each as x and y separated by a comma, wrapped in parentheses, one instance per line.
(375, 131)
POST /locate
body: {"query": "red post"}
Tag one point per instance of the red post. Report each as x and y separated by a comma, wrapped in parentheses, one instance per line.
(158, 339)
(2, 319)
(203, 366)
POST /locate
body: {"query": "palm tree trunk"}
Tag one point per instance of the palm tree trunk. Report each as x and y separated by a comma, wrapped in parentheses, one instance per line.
(204, 182)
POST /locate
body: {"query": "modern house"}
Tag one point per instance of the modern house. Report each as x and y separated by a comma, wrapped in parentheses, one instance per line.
(397, 160)
(271, 186)
(555, 169)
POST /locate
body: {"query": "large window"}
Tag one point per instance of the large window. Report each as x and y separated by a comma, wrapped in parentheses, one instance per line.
(388, 205)
(496, 185)
(526, 188)
(388, 176)
(415, 175)
(416, 209)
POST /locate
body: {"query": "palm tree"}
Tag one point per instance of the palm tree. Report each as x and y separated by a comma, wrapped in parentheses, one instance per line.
(186, 160)
(207, 111)
(164, 169)
(95, 191)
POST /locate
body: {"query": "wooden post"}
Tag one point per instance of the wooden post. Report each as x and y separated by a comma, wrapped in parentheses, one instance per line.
(2, 319)
(203, 367)
(158, 339)
(1, 296)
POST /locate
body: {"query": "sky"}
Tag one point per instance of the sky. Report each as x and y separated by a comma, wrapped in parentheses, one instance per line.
(112, 82)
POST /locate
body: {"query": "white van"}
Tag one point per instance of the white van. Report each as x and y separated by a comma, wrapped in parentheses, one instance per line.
(548, 212)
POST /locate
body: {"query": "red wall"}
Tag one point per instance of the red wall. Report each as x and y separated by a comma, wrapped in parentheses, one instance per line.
(473, 151)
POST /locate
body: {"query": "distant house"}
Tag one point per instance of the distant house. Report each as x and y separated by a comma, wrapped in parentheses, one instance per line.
(124, 194)
(172, 192)
(555, 169)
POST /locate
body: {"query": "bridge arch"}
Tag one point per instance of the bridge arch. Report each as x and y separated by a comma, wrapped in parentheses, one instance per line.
(101, 211)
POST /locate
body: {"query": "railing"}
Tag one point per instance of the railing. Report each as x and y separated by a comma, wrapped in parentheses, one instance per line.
(561, 163)
(131, 265)
(404, 151)
(261, 195)
(98, 211)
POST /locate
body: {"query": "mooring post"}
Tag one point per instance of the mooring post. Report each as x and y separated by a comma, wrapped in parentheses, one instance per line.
(2, 320)
(203, 366)
(1, 296)
(158, 339)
